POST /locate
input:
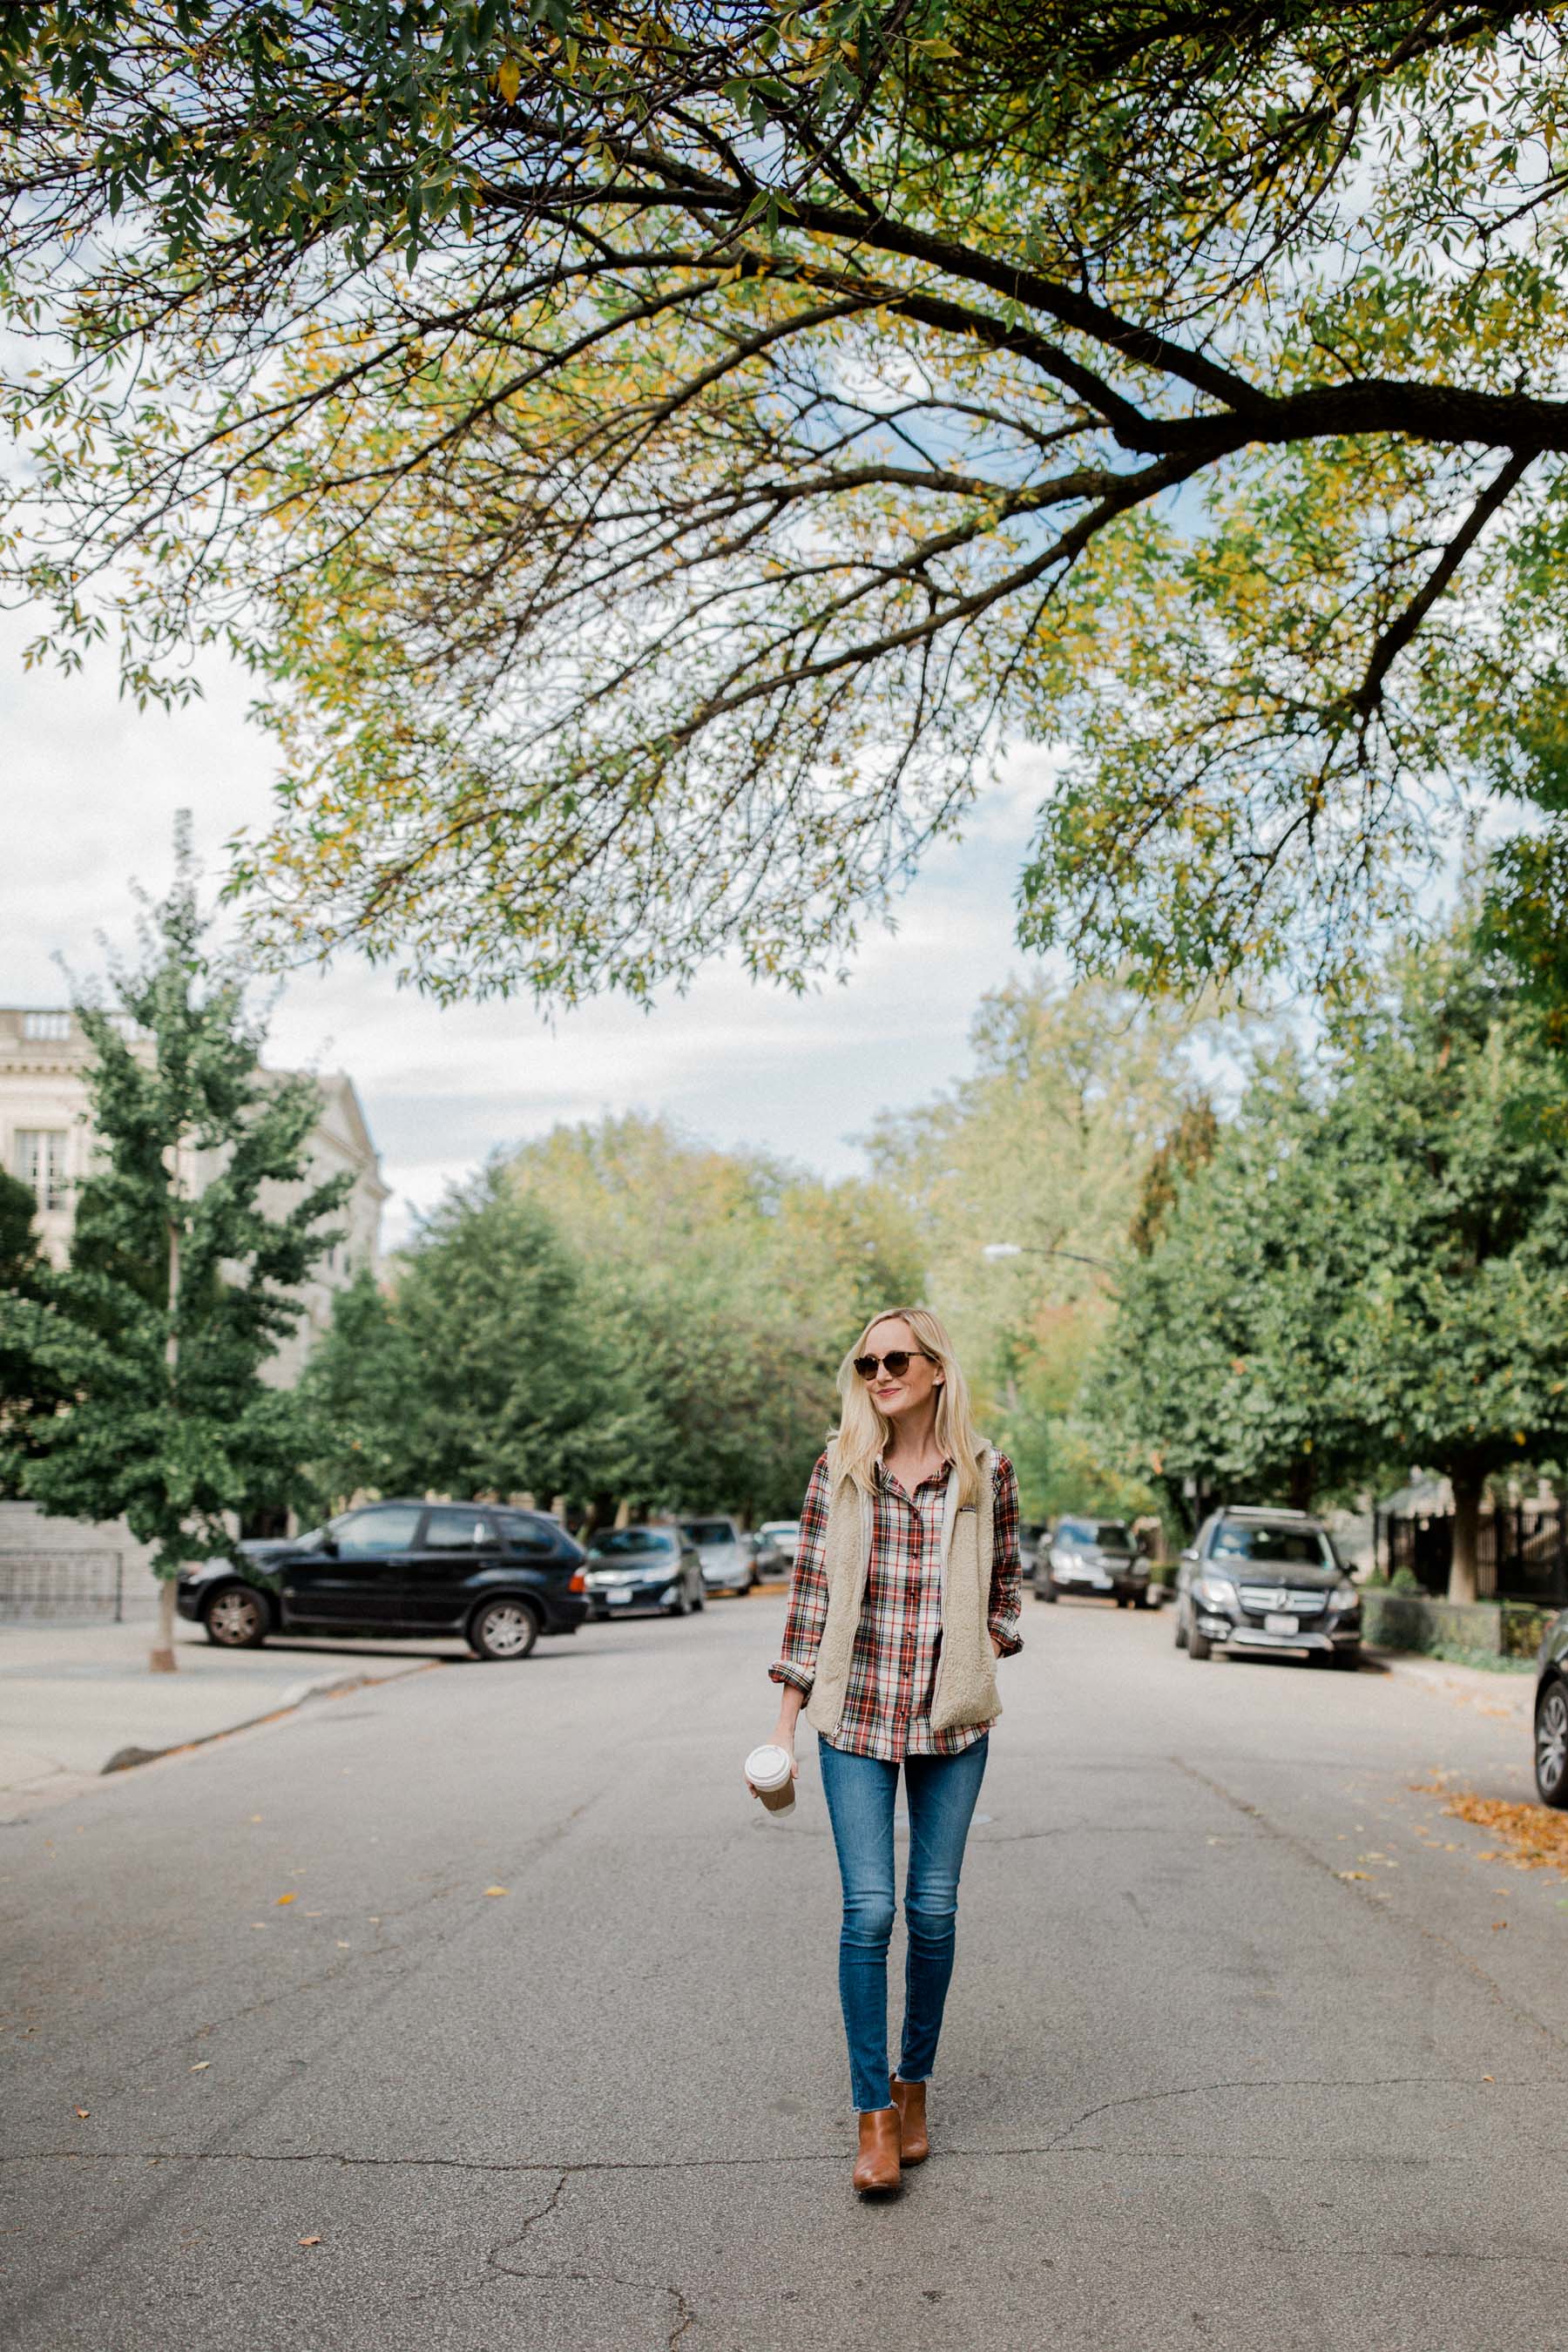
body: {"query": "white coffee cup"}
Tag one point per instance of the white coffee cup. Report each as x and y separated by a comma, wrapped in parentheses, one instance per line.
(770, 1771)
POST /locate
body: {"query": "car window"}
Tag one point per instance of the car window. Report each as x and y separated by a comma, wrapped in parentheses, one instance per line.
(1074, 1531)
(382, 1527)
(1282, 1547)
(457, 1530)
(1112, 1536)
(788, 1528)
(710, 1531)
(619, 1542)
(524, 1533)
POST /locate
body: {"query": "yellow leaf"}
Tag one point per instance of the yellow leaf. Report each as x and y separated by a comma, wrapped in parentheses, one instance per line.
(201, 2066)
(285, 1898)
(84, 2113)
(508, 79)
(497, 1890)
(1352, 1874)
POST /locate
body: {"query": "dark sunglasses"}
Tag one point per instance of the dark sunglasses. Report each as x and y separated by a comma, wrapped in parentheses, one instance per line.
(897, 1360)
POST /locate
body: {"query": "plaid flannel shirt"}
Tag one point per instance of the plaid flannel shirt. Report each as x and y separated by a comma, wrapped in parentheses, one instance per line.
(892, 1669)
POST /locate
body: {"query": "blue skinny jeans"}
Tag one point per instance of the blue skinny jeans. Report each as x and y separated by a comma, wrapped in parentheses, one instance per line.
(860, 1790)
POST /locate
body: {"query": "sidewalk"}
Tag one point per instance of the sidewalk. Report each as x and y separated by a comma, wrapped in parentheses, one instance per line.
(76, 1700)
(1509, 1696)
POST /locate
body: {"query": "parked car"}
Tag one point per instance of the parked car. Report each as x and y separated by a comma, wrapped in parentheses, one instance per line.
(1266, 1579)
(629, 1568)
(778, 1541)
(1552, 1714)
(728, 1560)
(1092, 1556)
(1034, 1539)
(398, 1569)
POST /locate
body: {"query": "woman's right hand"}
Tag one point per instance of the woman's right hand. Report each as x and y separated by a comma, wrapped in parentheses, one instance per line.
(782, 1736)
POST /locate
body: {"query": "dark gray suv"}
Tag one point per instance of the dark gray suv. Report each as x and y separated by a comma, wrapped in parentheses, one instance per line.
(1552, 1714)
(1266, 1579)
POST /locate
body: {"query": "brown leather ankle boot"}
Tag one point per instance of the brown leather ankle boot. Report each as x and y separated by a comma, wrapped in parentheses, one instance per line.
(914, 2142)
(876, 2166)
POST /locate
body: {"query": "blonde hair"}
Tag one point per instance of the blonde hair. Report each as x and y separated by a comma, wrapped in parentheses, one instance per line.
(864, 1430)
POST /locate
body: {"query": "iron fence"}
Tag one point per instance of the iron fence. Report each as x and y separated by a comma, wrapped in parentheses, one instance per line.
(54, 1586)
(1521, 1553)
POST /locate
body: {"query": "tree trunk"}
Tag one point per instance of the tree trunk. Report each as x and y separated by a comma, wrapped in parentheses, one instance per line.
(1301, 1481)
(160, 1658)
(1468, 1489)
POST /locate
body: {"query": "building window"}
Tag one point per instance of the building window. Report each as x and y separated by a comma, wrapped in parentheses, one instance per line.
(42, 1025)
(41, 1164)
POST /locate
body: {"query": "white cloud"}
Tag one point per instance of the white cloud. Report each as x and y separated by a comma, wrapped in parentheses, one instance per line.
(91, 787)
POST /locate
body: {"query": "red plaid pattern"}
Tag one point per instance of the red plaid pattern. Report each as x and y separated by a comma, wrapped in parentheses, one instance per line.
(892, 1669)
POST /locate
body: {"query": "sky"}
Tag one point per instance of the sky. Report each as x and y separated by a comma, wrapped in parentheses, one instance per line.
(90, 786)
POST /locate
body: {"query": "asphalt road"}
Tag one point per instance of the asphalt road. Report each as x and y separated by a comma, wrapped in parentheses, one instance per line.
(1199, 2086)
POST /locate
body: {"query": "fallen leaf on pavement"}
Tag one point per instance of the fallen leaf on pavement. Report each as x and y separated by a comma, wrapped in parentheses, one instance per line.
(1352, 1874)
(201, 2066)
(285, 1898)
(1536, 1837)
(310, 2241)
(497, 1890)
(1497, 1924)
(84, 2113)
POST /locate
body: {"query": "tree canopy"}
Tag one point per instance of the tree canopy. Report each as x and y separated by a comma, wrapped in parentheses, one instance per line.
(657, 455)
(194, 1232)
(1368, 1273)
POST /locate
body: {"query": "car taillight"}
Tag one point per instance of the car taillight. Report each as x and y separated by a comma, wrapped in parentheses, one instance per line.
(579, 1582)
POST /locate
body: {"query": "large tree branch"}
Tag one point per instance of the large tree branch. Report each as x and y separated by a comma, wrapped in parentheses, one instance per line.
(1394, 640)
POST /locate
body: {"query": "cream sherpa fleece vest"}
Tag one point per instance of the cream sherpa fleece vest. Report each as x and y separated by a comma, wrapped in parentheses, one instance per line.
(966, 1689)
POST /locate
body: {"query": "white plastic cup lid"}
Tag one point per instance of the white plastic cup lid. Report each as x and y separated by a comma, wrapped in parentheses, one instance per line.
(768, 1767)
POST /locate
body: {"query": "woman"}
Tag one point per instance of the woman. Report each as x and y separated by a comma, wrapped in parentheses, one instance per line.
(906, 1590)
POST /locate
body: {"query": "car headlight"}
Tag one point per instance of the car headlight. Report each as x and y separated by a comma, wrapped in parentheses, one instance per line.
(1214, 1592)
(1344, 1597)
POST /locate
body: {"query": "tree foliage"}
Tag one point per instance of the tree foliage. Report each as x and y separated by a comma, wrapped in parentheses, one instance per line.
(654, 453)
(29, 1391)
(1045, 1145)
(183, 1273)
(1369, 1272)
(616, 1313)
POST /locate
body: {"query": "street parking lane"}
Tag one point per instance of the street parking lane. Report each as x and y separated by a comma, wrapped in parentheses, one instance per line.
(486, 2010)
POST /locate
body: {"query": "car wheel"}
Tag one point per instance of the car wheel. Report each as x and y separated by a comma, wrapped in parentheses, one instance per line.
(1199, 1645)
(1552, 1745)
(503, 1630)
(699, 1599)
(1122, 1599)
(1140, 1601)
(1046, 1591)
(235, 1620)
(1179, 1631)
(1347, 1662)
(680, 1605)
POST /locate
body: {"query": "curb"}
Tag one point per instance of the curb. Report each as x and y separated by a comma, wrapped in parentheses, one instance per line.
(296, 1695)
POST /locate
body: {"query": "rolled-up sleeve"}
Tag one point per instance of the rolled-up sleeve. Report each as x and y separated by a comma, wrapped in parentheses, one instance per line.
(807, 1611)
(1006, 1573)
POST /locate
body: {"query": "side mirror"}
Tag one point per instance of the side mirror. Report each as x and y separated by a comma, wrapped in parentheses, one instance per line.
(1189, 1555)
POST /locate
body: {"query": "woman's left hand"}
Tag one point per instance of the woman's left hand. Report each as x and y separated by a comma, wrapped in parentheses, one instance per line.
(995, 1647)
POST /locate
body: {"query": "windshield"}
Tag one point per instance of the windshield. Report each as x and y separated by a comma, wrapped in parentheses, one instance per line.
(710, 1531)
(622, 1540)
(789, 1529)
(1105, 1535)
(1281, 1547)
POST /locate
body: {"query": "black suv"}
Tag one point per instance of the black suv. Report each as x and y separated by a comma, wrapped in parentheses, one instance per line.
(499, 1578)
(1552, 1714)
(1266, 1579)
